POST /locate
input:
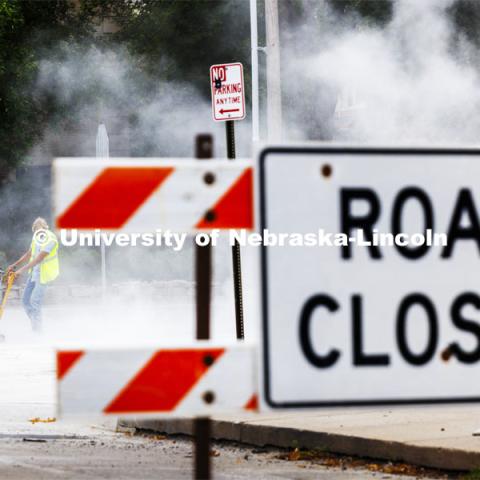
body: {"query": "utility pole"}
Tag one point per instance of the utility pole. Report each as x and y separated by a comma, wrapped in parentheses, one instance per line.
(254, 49)
(274, 91)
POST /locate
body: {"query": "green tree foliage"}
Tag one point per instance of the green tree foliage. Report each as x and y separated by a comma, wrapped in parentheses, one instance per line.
(173, 40)
(16, 72)
(168, 40)
(28, 31)
(466, 16)
(178, 41)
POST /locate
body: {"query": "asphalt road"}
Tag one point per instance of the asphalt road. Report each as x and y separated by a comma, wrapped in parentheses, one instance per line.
(103, 455)
(91, 449)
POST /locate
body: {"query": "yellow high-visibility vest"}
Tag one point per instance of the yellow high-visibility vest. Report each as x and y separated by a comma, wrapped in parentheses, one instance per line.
(49, 267)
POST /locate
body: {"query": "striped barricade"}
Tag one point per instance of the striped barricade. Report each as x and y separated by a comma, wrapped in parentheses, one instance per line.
(193, 381)
(140, 195)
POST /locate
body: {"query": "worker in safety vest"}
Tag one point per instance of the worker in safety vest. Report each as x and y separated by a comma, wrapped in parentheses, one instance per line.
(42, 268)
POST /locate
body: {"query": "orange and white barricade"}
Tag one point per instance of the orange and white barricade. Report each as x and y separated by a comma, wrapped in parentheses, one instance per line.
(139, 195)
(193, 381)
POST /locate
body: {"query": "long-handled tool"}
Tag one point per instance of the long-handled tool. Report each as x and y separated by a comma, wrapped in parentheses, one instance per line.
(8, 279)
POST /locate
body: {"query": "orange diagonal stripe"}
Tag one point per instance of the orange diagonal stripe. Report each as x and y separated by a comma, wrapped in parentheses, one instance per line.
(164, 381)
(113, 197)
(235, 208)
(66, 360)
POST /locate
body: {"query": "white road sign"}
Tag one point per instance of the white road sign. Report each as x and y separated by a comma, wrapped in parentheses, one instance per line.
(357, 324)
(228, 93)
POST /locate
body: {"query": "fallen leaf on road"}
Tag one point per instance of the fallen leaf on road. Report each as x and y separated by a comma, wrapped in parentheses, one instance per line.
(42, 420)
(294, 456)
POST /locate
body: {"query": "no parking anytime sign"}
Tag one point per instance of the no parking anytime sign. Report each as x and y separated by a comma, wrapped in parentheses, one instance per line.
(385, 318)
(228, 92)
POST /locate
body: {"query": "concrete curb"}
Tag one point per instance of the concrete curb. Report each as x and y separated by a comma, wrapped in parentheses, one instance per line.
(288, 437)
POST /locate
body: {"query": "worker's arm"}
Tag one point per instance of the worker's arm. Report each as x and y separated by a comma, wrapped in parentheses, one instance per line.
(38, 259)
(21, 260)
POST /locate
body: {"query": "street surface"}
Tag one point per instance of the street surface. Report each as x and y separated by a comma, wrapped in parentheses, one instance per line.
(30, 448)
(117, 456)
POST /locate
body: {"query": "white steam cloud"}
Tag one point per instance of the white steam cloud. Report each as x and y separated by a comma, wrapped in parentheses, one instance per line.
(143, 116)
(411, 81)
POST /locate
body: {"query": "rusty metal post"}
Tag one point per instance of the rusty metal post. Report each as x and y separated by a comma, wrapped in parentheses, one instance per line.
(201, 432)
(203, 276)
(236, 256)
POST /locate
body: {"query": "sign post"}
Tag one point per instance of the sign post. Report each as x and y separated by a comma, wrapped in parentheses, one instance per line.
(203, 277)
(228, 104)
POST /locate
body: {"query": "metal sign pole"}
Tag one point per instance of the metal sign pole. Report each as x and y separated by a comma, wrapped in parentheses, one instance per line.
(236, 256)
(203, 276)
(201, 429)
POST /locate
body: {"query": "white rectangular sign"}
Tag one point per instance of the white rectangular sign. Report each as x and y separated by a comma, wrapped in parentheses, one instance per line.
(228, 92)
(379, 324)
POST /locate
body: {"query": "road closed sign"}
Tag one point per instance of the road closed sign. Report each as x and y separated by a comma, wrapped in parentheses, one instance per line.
(370, 276)
(228, 93)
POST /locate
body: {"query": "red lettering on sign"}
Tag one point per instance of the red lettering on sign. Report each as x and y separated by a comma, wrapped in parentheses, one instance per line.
(219, 74)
